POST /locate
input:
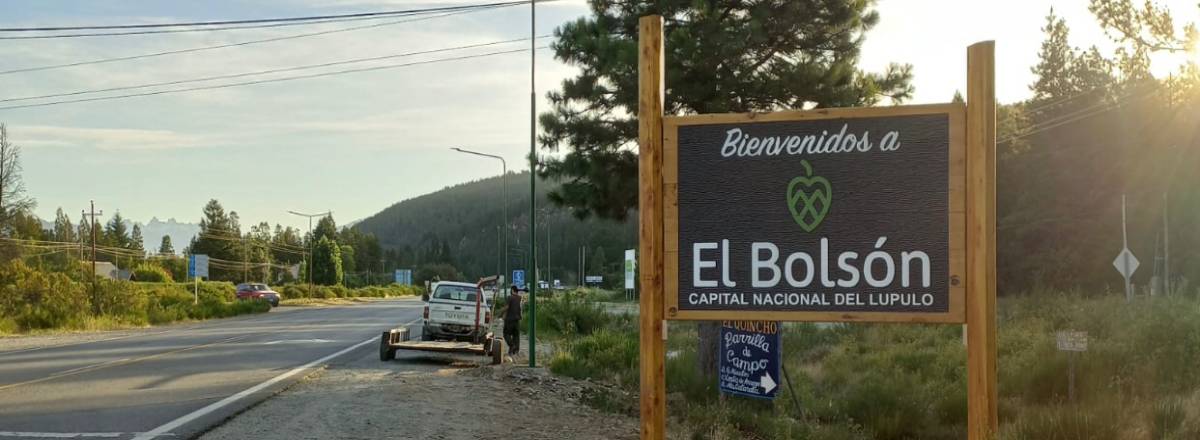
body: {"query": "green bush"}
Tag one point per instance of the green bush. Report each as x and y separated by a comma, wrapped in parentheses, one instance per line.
(35, 300)
(570, 315)
(152, 273)
(605, 354)
(330, 292)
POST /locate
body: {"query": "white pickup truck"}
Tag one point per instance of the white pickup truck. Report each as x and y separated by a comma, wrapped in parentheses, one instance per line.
(456, 311)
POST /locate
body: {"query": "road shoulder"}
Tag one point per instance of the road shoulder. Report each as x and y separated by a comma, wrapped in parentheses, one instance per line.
(420, 396)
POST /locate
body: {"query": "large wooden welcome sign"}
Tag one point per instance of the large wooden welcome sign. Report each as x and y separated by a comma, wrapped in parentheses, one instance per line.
(825, 215)
(864, 214)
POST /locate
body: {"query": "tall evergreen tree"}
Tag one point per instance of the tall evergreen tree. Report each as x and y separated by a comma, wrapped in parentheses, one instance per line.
(116, 234)
(136, 240)
(64, 231)
(721, 56)
(327, 262)
(326, 228)
(165, 247)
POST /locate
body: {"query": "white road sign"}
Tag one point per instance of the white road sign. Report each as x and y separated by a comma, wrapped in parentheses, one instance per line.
(1124, 260)
(1071, 340)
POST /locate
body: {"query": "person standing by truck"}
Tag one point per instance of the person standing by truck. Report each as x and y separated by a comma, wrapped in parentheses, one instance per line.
(512, 321)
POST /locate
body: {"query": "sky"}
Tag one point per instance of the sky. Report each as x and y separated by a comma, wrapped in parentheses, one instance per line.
(357, 143)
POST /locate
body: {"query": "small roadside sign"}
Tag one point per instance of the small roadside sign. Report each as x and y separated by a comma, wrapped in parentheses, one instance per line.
(403, 276)
(1126, 263)
(198, 266)
(519, 278)
(1071, 340)
(750, 358)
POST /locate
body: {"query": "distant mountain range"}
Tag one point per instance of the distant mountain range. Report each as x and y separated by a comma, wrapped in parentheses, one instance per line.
(154, 230)
(181, 233)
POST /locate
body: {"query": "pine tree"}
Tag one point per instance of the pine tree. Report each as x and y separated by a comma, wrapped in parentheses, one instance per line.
(327, 263)
(64, 231)
(165, 248)
(116, 234)
(721, 56)
(136, 240)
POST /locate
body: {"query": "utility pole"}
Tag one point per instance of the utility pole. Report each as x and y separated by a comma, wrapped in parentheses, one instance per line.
(1166, 249)
(92, 226)
(532, 182)
(1125, 245)
(245, 261)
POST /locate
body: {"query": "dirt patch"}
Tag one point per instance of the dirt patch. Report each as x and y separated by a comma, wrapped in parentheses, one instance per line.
(429, 397)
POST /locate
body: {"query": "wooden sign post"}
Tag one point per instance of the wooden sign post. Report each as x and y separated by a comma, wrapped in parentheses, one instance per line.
(881, 214)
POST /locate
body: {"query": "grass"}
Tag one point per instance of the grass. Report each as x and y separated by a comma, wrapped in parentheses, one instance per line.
(1139, 379)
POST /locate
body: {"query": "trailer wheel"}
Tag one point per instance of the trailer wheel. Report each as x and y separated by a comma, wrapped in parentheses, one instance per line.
(497, 347)
(386, 352)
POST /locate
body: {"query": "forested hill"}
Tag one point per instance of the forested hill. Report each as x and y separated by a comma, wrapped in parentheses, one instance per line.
(459, 225)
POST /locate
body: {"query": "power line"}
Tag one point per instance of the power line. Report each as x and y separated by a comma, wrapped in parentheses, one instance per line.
(265, 72)
(238, 44)
(302, 19)
(267, 81)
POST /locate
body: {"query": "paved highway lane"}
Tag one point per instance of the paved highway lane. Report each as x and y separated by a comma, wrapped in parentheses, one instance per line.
(178, 383)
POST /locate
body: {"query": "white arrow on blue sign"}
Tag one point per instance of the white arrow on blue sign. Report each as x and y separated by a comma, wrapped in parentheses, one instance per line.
(519, 278)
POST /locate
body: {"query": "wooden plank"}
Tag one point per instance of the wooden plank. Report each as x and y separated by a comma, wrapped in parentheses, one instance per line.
(982, 422)
(957, 213)
(812, 115)
(651, 91)
(670, 171)
(794, 316)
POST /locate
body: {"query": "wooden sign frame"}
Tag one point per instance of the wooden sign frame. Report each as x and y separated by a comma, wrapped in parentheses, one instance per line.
(658, 192)
(957, 221)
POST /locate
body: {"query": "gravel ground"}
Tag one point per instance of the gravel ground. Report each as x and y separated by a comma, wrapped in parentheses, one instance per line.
(427, 397)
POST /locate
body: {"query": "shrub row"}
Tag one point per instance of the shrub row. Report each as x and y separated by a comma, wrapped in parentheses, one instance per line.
(292, 291)
(36, 300)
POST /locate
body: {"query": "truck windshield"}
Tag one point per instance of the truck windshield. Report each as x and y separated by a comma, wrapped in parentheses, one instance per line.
(456, 293)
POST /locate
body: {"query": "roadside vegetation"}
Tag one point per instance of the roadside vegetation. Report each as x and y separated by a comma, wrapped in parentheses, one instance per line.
(1138, 378)
(34, 300)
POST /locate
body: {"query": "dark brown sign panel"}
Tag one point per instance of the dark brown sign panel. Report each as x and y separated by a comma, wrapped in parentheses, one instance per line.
(827, 215)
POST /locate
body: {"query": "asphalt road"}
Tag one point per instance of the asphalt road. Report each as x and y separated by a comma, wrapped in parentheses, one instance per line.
(178, 383)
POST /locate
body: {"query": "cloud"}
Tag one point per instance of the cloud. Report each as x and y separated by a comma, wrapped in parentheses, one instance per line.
(114, 139)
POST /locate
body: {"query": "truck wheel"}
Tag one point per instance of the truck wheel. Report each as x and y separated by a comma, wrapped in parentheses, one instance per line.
(426, 335)
(497, 348)
(386, 352)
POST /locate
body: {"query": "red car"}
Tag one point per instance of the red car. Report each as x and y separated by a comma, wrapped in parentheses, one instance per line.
(258, 291)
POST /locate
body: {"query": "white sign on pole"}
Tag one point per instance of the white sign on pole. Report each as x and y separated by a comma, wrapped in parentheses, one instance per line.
(1070, 340)
(198, 265)
(630, 268)
(1126, 263)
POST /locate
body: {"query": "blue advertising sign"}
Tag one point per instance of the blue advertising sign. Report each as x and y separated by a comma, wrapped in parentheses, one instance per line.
(198, 266)
(750, 358)
(519, 278)
(404, 277)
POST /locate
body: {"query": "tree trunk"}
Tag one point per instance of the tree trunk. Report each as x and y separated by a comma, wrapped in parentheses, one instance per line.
(708, 348)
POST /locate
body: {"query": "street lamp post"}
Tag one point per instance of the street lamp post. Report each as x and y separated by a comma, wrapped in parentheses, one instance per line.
(504, 189)
(310, 244)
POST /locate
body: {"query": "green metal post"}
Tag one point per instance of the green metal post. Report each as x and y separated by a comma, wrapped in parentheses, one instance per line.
(532, 267)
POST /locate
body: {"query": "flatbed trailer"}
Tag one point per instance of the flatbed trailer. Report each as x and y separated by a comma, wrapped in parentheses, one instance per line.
(488, 345)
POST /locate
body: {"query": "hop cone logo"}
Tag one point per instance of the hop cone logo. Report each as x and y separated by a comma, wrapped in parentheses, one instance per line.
(809, 198)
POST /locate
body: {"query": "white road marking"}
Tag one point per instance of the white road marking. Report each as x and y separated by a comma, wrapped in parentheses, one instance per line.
(67, 434)
(166, 428)
(298, 341)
